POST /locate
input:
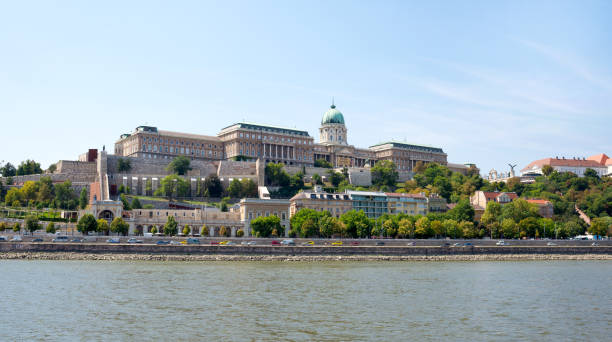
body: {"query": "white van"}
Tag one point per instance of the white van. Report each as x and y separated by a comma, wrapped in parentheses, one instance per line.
(17, 238)
(62, 238)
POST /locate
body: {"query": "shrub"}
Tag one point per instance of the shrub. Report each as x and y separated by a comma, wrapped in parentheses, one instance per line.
(186, 230)
(240, 233)
(51, 228)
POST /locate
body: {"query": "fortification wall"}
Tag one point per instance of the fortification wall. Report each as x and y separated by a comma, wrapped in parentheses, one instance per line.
(75, 167)
(157, 167)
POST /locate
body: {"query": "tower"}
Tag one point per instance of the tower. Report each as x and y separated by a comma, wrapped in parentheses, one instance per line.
(332, 130)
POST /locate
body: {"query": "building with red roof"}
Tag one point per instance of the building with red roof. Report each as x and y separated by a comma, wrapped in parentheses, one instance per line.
(575, 165)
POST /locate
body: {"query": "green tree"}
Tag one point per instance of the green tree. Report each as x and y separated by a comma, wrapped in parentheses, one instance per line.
(102, 226)
(223, 231)
(170, 228)
(28, 167)
(212, 186)
(357, 223)
(249, 188)
(422, 228)
(204, 231)
(451, 228)
(463, 211)
(528, 227)
(31, 223)
(316, 179)
(83, 199)
(12, 195)
(124, 165)
(240, 233)
(547, 170)
(384, 172)
(119, 226)
(173, 186)
(276, 175)
(124, 201)
(322, 163)
(51, 228)
(519, 209)
(600, 226)
(467, 229)
(328, 225)
(153, 230)
(509, 229)
(8, 170)
(492, 213)
(264, 226)
(335, 177)
(186, 230)
(180, 165)
(16, 227)
(235, 188)
(136, 204)
(87, 223)
(405, 228)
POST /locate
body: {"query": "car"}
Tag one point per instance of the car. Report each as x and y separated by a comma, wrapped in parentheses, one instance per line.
(456, 244)
(501, 243)
(412, 243)
(594, 244)
(468, 244)
(308, 243)
(380, 243)
(162, 242)
(184, 242)
(355, 243)
(337, 243)
(37, 240)
(2, 238)
(223, 243)
(193, 241)
(251, 243)
(288, 243)
(244, 243)
(17, 238)
(446, 244)
(113, 240)
(133, 240)
(230, 243)
(174, 242)
(551, 244)
(60, 238)
(275, 243)
(214, 243)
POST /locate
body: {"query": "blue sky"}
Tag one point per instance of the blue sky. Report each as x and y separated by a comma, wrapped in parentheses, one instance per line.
(491, 82)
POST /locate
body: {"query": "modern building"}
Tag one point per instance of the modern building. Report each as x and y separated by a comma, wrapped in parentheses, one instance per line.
(373, 204)
(411, 204)
(290, 146)
(575, 165)
(436, 204)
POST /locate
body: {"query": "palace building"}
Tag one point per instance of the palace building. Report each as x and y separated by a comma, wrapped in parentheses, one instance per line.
(250, 141)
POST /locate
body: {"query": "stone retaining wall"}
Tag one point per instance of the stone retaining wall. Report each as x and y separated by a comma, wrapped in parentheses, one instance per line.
(9, 247)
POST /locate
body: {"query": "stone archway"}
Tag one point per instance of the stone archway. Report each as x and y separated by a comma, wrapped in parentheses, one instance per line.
(139, 230)
(107, 215)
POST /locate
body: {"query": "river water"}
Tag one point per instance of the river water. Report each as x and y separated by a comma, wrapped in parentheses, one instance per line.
(304, 301)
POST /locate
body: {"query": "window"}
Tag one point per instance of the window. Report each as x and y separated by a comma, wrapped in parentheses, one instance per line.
(283, 217)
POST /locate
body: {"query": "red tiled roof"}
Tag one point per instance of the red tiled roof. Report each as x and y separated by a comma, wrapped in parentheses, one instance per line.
(397, 194)
(562, 162)
(601, 158)
(538, 201)
(489, 195)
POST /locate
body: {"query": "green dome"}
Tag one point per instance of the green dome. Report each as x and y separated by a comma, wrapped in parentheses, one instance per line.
(333, 116)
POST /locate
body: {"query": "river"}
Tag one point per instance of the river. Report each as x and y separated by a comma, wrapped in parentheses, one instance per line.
(304, 301)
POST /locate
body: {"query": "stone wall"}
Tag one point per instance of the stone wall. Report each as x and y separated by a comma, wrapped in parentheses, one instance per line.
(75, 167)
(157, 167)
(7, 247)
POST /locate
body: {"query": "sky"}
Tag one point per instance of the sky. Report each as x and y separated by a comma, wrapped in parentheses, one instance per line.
(490, 82)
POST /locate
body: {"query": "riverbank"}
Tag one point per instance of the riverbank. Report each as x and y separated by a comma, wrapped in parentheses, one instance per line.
(301, 258)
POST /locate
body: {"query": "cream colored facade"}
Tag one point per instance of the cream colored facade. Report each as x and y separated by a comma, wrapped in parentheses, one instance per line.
(335, 204)
(275, 144)
(252, 208)
(144, 220)
(411, 204)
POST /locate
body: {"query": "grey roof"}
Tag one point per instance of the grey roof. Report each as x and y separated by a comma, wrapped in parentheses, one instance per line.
(410, 146)
(267, 128)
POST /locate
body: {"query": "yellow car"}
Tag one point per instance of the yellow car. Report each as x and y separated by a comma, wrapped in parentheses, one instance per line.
(308, 243)
(184, 242)
(223, 242)
(337, 243)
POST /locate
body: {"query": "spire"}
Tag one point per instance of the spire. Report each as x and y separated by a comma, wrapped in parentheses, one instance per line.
(333, 105)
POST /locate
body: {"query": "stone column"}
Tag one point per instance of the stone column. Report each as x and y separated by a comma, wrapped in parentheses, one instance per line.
(233, 234)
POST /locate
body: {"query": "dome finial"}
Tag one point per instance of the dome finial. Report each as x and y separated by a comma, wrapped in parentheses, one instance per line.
(333, 105)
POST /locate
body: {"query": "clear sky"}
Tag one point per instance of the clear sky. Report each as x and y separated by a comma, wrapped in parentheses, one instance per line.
(491, 82)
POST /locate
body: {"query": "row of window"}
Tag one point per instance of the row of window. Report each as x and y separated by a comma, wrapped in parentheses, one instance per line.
(177, 142)
(275, 138)
(253, 215)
